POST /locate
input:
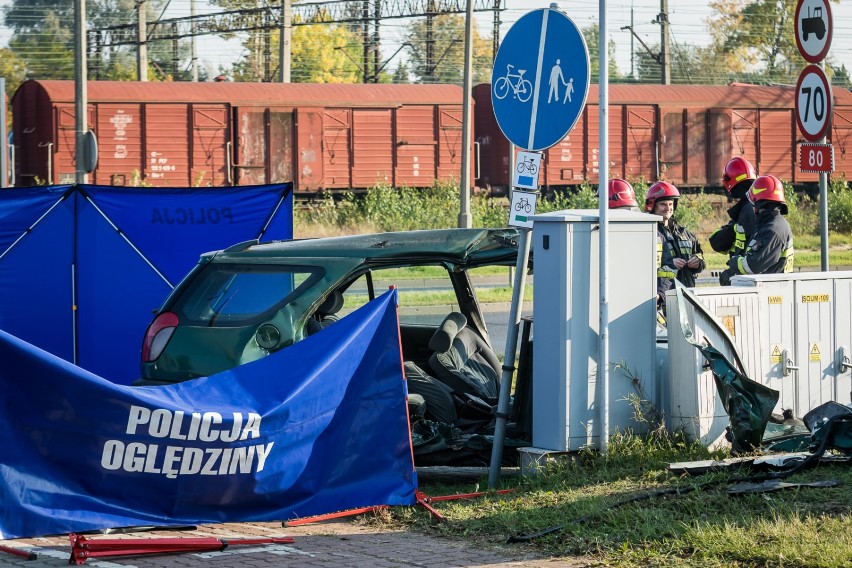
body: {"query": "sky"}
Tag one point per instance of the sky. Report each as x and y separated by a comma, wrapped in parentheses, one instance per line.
(688, 25)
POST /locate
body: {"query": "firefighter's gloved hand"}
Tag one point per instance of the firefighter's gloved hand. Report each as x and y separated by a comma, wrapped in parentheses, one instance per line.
(725, 278)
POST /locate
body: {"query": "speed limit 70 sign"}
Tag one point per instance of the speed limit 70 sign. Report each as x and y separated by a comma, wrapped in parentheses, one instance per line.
(813, 103)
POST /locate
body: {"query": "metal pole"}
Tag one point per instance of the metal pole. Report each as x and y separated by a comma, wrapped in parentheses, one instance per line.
(823, 205)
(81, 103)
(665, 65)
(193, 46)
(142, 44)
(509, 357)
(603, 197)
(284, 41)
(465, 218)
(4, 140)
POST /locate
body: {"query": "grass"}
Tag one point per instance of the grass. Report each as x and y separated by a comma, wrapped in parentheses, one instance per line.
(588, 497)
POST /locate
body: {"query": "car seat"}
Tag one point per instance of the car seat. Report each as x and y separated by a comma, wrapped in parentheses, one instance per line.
(325, 314)
(463, 360)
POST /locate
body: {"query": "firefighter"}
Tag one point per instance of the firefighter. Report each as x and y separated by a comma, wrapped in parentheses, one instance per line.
(621, 195)
(732, 237)
(679, 253)
(770, 249)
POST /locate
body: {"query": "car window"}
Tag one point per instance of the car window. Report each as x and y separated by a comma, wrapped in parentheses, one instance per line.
(426, 293)
(231, 294)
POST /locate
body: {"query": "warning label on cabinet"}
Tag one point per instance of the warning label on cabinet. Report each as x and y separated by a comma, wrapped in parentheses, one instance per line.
(776, 354)
(814, 353)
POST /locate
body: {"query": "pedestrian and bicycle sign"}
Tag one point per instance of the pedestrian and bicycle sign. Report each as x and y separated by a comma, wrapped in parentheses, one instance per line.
(540, 79)
(813, 103)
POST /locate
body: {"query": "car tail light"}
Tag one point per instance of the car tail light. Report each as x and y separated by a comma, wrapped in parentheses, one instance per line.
(158, 335)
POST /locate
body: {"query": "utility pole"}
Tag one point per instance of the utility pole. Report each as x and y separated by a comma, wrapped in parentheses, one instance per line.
(430, 42)
(81, 103)
(192, 39)
(365, 38)
(665, 64)
(377, 55)
(495, 31)
(632, 51)
(285, 37)
(142, 43)
(465, 218)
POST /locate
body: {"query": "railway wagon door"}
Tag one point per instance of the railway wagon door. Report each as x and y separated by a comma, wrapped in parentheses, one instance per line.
(416, 145)
(62, 165)
(639, 141)
(209, 145)
(263, 146)
(449, 143)
(309, 154)
(372, 145)
(250, 146)
(167, 145)
(119, 133)
(337, 148)
(776, 138)
(683, 146)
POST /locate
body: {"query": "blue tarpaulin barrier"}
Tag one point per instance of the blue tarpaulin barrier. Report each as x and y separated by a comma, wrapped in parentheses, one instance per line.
(83, 267)
(320, 426)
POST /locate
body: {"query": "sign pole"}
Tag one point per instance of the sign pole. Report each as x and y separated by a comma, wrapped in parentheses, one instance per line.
(509, 357)
(814, 100)
(603, 197)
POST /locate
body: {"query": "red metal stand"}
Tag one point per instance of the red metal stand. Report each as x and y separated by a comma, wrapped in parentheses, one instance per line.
(422, 499)
(83, 548)
(17, 552)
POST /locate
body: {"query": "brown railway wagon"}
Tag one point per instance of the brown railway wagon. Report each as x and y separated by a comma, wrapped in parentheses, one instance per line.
(320, 136)
(684, 134)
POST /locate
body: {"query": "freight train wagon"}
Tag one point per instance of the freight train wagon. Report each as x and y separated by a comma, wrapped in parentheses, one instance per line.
(320, 136)
(684, 134)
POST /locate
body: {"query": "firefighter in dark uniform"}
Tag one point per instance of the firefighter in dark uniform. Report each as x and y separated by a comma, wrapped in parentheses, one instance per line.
(679, 253)
(770, 249)
(621, 195)
(732, 237)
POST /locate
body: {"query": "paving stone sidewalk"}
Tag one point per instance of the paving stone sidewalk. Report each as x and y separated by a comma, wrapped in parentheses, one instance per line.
(322, 545)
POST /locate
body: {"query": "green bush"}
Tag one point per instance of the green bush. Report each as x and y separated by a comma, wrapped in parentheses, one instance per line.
(839, 206)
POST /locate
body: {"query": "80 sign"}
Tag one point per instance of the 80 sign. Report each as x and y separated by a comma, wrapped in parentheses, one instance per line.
(816, 158)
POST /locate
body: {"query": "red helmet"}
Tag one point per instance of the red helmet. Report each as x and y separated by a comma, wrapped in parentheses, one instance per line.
(739, 173)
(768, 188)
(660, 190)
(621, 194)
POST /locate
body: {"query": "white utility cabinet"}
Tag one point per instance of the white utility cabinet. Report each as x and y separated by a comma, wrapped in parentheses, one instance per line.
(694, 404)
(806, 336)
(566, 312)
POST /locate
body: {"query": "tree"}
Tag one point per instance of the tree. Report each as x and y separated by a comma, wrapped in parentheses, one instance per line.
(43, 37)
(592, 36)
(444, 63)
(758, 36)
(13, 69)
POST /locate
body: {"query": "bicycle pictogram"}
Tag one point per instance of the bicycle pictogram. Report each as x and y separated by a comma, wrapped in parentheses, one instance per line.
(521, 88)
(523, 203)
(527, 165)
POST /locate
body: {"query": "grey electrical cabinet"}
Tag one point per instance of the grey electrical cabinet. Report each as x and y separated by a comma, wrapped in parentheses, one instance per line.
(566, 311)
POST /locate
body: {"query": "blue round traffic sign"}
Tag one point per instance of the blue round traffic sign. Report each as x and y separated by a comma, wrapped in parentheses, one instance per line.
(540, 79)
